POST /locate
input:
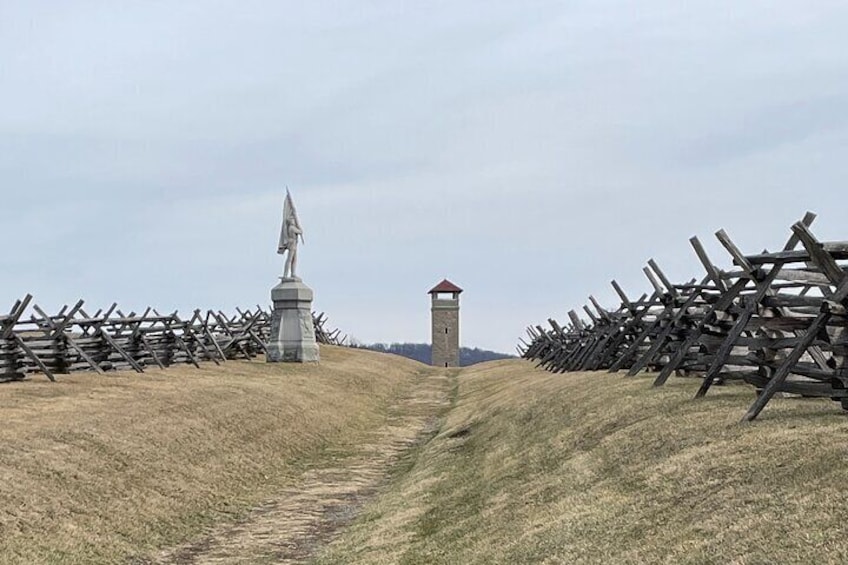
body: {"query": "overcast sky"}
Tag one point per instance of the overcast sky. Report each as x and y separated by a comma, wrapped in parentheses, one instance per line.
(528, 151)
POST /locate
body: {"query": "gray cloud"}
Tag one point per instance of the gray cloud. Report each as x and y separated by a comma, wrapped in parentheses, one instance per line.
(530, 151)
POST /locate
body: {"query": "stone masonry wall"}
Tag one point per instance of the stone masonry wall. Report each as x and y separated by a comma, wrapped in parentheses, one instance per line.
(445, 337)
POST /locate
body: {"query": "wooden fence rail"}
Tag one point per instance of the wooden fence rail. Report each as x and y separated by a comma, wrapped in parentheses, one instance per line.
(33, 341)
(775, 320)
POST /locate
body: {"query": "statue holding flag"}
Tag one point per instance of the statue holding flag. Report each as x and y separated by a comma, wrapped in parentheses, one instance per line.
(292, 336)
(289, 235)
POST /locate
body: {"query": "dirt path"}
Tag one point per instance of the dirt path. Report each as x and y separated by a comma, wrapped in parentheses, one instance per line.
(293, 526)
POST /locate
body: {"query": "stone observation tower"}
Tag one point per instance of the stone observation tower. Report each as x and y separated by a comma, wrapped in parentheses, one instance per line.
(445, 316)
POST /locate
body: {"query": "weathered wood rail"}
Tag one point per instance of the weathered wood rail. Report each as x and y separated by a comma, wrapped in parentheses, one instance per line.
(775, 320)
(33, 341)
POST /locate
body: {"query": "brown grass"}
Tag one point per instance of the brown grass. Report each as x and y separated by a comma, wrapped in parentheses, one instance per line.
(527, 467)
(98, 469)
(532, 467)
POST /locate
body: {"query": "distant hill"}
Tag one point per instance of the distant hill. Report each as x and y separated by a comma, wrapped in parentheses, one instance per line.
(421, 352)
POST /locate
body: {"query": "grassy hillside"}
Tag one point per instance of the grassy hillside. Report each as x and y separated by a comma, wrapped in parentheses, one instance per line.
(531, 467)
(525, 467)
(104, 468)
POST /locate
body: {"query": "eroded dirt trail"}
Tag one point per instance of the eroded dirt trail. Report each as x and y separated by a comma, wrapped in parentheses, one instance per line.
(293, 526)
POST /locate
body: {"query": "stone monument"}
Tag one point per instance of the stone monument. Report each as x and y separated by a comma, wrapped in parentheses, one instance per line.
(292, 331)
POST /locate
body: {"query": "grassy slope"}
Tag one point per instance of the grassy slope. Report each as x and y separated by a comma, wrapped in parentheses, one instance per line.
(531, 467)
(101, 468)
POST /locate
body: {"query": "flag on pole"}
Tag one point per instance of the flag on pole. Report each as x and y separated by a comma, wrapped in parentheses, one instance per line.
(289, 213)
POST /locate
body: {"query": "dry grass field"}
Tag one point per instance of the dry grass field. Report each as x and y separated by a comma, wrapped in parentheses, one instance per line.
(531, 467)
(109, 469)
(522, 466)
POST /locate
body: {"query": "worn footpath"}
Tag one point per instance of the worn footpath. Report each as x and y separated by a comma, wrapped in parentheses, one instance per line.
(295, 524)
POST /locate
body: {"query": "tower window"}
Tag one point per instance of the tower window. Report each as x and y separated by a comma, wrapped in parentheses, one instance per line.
(446, 330)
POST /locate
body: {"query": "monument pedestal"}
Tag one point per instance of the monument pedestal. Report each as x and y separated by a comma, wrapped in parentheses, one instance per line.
(292, 333)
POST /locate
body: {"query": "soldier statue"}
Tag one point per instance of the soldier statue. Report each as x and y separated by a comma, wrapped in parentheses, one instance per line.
(289, 235)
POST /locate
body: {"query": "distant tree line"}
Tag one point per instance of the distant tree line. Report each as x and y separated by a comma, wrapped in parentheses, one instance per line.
(422, 352)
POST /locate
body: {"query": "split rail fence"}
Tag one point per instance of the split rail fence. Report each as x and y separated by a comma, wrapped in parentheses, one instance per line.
(775, 320)
(33, 341)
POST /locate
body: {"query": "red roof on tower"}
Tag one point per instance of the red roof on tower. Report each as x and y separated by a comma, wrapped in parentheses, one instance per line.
(445, 286)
